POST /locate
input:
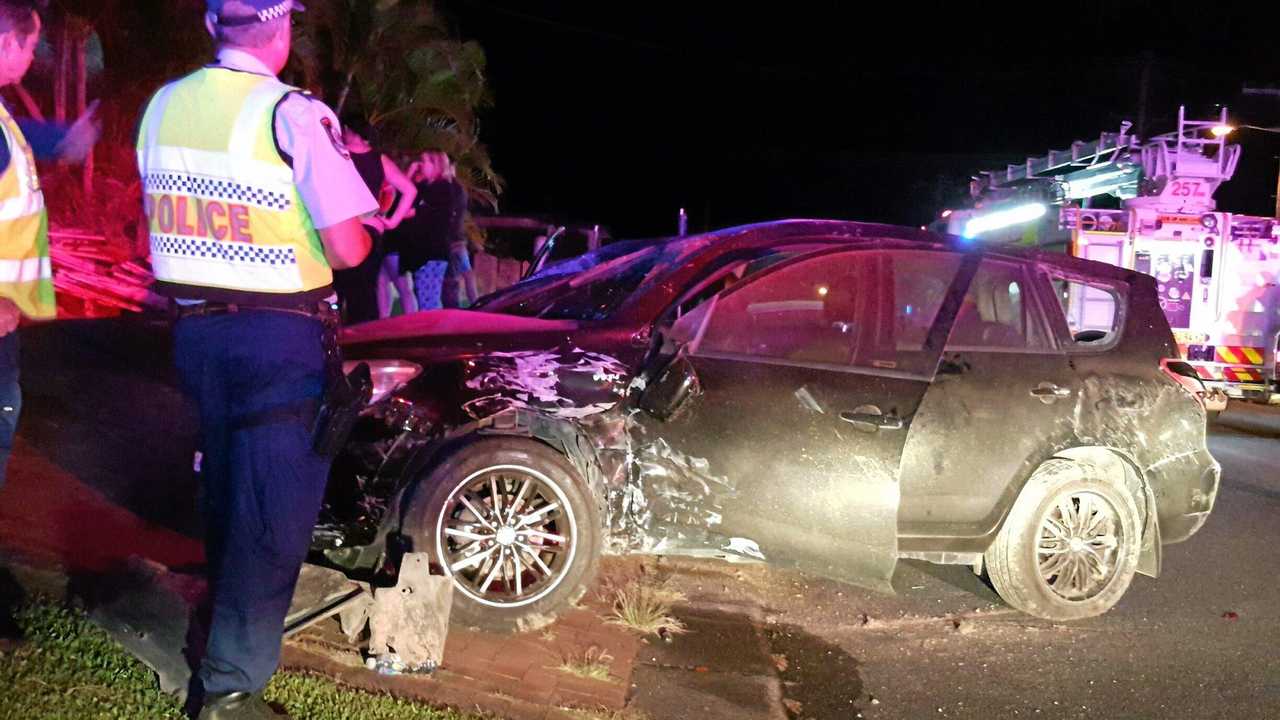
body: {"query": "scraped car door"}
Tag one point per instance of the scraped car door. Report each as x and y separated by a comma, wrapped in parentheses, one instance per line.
(1004, 399)
(810, 375)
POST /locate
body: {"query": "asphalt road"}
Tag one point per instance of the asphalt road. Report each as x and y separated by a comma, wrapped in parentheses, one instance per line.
(1202, 641)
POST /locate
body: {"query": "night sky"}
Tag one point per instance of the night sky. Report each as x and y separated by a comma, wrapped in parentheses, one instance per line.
(621, 113)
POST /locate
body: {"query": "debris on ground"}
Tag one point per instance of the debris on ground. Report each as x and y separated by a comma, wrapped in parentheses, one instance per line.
(102, 276)
(391, 664)
(149, 610)
(411, 620)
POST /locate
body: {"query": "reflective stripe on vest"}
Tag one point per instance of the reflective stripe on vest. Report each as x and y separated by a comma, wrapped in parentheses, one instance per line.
(26, 275)
(222, 207)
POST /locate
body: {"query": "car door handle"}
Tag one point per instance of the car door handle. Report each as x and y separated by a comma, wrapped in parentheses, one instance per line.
(1047, 392)
(873, 421)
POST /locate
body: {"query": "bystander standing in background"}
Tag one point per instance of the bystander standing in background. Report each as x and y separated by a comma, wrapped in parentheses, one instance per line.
(426, 240)
(459, 273)
(359, 287)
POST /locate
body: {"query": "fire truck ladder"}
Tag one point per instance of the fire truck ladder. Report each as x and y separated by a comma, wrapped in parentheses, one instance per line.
(1122, 159)
(1106, 150)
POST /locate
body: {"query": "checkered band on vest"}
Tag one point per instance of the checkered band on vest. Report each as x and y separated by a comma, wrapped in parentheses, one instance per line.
(217, 189)
(235, 252)
(275, 11)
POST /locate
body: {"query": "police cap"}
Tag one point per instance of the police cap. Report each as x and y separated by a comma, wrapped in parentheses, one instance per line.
(247, 12)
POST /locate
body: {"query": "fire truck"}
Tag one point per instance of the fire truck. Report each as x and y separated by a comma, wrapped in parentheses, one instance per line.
(1218, 272)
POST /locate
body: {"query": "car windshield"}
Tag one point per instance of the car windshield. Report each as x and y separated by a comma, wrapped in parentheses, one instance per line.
(591, 294)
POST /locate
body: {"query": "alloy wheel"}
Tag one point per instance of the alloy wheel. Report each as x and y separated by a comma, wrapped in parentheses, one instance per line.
(506, 535)
(1079, 541)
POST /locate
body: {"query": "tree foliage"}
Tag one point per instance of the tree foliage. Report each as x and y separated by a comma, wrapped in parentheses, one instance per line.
(394, 61)
(398, 64)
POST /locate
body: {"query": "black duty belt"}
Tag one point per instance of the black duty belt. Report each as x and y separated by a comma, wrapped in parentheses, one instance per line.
(321, 310)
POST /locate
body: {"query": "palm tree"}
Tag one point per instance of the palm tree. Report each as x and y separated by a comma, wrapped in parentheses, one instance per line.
(396, 63)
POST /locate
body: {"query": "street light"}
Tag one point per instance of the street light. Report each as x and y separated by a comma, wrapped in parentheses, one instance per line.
(1221, 130)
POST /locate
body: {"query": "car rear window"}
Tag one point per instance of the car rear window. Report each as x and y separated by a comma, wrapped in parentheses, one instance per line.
(1091, 310)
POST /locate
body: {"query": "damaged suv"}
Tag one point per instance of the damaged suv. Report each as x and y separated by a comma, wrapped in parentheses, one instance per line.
(826, 395)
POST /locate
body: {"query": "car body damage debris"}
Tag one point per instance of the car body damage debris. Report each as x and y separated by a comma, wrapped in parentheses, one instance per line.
(571, 383)
(150, 611)
(153, 612)
(373, 461)
(319, 594)
(408, 623)
(669, 500)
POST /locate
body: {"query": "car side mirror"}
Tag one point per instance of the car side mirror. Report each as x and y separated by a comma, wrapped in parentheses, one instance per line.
(673, 387)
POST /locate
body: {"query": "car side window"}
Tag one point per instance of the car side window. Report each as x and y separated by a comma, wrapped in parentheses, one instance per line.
(915, 284)
(808, 312)
(997, 313)
(727, 276)
(1091, 310)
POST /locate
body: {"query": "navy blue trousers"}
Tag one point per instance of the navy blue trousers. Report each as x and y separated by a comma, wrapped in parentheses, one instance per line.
(257, 377)
(10, 398)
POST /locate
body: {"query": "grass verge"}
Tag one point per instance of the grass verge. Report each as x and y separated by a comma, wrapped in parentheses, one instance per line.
(593, 664)
(646, 608)
(69, 668)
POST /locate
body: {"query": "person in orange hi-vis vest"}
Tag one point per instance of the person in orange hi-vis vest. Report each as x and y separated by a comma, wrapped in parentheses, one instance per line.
(26, 275)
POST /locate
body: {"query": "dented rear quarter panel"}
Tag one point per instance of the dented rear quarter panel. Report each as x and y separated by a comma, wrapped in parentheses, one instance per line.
(1126, 403)
(979, 438)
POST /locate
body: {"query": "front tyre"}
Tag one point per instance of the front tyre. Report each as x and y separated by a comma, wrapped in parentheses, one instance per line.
(510, 521)
(1070, 546)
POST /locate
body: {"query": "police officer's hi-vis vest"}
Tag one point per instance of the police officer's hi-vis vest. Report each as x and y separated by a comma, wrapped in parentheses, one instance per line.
(226, 221)
(26, 275)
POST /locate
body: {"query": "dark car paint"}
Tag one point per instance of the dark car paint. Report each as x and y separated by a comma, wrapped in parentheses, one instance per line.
(830, 509)
(694, 471)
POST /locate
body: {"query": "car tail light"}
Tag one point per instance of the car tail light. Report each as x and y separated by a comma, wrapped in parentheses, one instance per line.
(1184, 374)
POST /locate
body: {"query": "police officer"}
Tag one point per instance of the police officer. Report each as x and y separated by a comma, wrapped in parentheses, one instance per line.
(26, 275)
(251, 199)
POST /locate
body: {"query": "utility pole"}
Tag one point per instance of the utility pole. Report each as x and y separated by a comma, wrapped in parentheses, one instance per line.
(1275, 93)
(1144, 90)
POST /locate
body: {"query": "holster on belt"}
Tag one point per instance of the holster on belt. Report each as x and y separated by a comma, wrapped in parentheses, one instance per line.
(345, 395)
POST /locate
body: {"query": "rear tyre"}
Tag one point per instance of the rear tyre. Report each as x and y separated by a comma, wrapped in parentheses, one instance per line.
(510, 521)
(1070, 546)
